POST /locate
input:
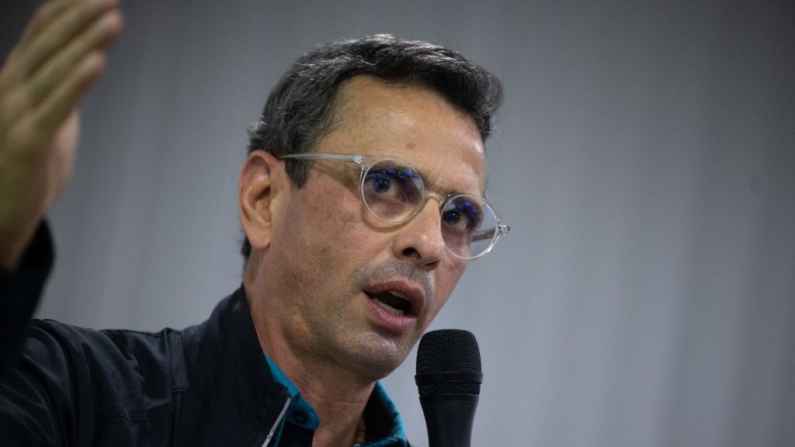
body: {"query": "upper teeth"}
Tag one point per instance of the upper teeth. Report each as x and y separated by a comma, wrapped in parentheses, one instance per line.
(393, 301)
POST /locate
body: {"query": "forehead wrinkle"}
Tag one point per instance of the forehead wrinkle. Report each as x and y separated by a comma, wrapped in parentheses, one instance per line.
(355, 114)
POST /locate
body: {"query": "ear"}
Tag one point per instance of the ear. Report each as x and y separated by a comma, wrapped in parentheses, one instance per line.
(262, 182)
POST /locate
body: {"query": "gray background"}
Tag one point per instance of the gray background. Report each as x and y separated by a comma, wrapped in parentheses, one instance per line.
(644, 158)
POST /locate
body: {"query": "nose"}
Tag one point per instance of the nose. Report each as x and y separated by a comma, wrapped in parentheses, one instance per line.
(420, 240)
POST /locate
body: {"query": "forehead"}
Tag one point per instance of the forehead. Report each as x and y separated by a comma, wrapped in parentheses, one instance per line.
(411, 122)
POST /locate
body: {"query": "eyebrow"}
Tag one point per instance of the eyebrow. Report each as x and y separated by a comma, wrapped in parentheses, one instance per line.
(425, 180)
(405, 164)
(429, 183)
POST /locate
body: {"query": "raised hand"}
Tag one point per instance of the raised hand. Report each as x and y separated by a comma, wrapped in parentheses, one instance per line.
(42, 81)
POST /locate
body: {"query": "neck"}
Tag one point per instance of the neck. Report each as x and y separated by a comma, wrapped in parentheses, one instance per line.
(338, 398)
(338, 395)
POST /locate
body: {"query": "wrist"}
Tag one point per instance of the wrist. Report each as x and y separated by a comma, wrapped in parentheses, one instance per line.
(13, 244)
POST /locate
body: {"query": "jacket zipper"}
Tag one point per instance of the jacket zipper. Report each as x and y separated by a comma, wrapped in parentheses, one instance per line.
(278, 421)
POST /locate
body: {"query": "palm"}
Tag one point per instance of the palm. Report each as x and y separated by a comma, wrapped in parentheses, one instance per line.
(62, 151)
(30, 185)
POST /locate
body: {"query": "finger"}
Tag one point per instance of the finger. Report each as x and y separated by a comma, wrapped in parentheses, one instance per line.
(42, 19)
(76, 16)
(43, 121)
(15, 103)
(99, 35)
(43, 16)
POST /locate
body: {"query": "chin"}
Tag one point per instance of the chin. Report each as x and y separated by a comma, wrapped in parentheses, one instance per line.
(380, 357)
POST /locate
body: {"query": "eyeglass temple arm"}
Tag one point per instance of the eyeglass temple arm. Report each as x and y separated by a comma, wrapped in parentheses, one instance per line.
(500, 230)
(356, 158)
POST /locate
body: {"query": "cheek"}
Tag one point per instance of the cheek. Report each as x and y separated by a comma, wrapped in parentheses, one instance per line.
(347, 222)
(447, 276)
(329, 223)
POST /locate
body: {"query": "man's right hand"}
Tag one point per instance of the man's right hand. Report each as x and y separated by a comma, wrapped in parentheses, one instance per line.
(42, 82)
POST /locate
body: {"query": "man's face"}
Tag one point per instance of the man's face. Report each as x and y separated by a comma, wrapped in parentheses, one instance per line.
(334, 265)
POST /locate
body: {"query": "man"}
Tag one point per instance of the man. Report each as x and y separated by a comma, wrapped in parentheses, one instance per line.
(361, 201)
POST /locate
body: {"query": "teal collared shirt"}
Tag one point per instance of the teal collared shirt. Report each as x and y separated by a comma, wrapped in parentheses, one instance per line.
(381, 416)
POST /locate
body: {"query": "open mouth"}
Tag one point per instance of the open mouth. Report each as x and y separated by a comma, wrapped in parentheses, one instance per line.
(391, 301)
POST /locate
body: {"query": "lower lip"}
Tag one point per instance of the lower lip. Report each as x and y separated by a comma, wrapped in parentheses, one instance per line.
(390, 321)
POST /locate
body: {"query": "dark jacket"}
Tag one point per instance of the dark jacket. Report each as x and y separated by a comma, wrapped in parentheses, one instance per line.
(208, 385)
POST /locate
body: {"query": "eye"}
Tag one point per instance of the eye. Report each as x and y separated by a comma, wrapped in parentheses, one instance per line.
(380, 184)
(462, 215)
(456, 221)
(394, 184)
(452, 218)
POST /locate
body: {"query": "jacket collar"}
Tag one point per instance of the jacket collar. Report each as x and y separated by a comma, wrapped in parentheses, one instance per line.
(238, 392)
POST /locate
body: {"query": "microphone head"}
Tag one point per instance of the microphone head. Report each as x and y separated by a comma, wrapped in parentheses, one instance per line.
(448, 362)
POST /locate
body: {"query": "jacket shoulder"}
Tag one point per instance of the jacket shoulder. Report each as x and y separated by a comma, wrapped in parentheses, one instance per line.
(74, 382)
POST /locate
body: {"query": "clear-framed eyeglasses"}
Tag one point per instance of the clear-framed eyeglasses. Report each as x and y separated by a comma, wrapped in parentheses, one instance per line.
(394, 192)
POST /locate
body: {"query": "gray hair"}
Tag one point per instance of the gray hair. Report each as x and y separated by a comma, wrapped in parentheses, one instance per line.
(300, 109)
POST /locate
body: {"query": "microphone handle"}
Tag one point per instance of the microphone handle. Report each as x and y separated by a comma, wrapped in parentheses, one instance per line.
(449, 418)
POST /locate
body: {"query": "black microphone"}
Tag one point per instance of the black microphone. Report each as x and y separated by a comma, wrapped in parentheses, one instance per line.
(449, 378)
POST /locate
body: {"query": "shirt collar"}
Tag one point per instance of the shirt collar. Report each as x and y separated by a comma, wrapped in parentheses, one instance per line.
(383, 421)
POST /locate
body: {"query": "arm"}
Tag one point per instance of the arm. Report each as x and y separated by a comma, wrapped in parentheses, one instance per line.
(19, 294)
(58, 58)
(42, 80)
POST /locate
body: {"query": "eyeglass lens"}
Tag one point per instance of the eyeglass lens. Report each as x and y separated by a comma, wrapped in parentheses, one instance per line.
(394, 193)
